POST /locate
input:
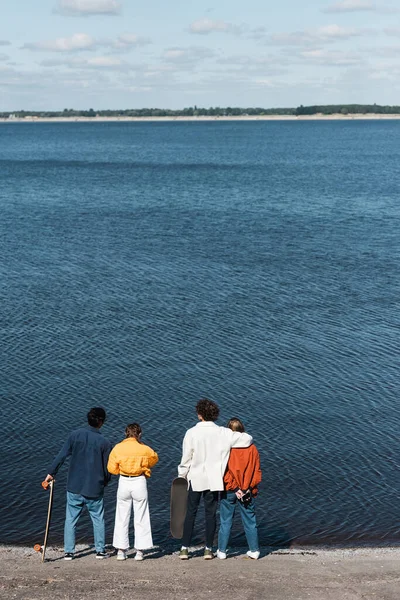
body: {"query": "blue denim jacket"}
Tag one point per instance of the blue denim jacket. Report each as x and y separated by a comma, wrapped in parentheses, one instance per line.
(89, 452)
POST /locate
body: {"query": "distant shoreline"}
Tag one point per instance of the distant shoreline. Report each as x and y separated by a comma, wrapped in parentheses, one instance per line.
(316, 117)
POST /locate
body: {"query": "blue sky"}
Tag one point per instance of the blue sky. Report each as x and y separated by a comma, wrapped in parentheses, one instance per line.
(57, 54)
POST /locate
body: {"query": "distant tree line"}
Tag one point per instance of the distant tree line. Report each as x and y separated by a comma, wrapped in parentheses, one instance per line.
(194, 111)
(348, 109)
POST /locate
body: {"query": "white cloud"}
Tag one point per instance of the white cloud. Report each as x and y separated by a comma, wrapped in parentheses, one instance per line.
(5, 43)
(130, 40)
(206, 26)
(88, 7)
(174, 54)
(344, 6)
(334, 31)
(265, 82)
(247, 65)
(4, 56)
(247, 60)
(327, 33)
(188, 57)
(83, 42)
(393, 31)
(158, 72)
(78, 41)
(351, 6)
(388, 52)
(331, 58)
(103, 62)
(94, 62)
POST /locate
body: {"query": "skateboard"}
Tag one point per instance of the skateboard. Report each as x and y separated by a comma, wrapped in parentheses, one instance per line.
(46, 485)
(179, 495)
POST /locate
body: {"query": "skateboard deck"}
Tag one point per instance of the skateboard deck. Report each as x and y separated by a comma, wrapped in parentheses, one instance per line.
(179, 495)
(46, 485)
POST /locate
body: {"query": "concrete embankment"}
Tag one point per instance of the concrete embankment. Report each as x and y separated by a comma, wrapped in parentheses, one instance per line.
(298, 574)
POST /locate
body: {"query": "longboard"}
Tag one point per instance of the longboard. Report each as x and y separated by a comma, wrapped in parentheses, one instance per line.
(46, 485)
(179, 495)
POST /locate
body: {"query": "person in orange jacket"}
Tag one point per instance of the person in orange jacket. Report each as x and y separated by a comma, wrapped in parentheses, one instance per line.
(242, 476)
(132, 461)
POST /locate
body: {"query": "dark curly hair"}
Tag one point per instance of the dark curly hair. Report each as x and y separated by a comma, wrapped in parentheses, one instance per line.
(96, 416)
(207, 409)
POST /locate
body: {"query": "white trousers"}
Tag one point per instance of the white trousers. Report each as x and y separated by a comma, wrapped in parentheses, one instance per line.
(132, 492)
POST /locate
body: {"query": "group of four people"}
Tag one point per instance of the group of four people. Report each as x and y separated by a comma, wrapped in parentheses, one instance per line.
(216, 462)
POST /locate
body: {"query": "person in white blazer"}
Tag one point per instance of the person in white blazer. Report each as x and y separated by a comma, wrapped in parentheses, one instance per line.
(205, 454)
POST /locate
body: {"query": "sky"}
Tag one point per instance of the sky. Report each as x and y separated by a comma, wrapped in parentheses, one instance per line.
(82, 54)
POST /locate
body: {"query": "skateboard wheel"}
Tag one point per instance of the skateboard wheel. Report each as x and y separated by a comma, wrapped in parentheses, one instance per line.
(37, 548)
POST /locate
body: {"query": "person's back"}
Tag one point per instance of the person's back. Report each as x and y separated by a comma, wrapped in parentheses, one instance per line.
(205, 453)
(131, 457)
(242, 476)
(132, 461)
(209, 447)
(88, 449)
(88, 452)
(243, 470)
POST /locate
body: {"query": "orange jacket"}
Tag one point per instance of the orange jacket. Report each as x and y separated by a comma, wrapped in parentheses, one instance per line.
(131, 457)
(243, 470)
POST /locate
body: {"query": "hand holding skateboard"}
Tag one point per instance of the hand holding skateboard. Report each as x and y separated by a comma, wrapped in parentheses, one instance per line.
(48, 483)
(178, 506)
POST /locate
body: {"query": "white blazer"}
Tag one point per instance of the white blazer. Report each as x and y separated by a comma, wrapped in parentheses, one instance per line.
(205, 454)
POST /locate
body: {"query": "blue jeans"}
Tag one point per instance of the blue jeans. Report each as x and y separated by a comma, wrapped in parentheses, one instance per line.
(75, 506)
(226, 511)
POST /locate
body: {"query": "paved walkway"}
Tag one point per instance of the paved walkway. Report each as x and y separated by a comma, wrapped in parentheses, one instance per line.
(367, 574)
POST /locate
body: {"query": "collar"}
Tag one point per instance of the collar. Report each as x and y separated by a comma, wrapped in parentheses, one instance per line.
(94, 429)
(206, 424)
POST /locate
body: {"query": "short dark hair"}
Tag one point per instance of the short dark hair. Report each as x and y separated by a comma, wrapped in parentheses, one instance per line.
(96, 416)
(133, 430)
(207, 409)
(236, 425)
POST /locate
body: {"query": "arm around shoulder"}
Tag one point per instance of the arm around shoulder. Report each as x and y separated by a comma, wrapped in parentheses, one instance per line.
(240, 440)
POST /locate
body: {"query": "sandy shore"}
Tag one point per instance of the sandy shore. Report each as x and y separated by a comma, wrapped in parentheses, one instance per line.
(299, 574)
(317, 117)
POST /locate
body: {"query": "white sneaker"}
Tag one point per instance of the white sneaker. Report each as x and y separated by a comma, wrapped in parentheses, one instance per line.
(139, 555)
(253, 555)
(121, 555)
(221, 555)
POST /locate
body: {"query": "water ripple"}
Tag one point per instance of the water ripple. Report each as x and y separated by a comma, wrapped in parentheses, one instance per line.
(144, 267)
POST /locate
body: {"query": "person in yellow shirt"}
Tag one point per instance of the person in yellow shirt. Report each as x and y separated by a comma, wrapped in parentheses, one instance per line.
(132, 461)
